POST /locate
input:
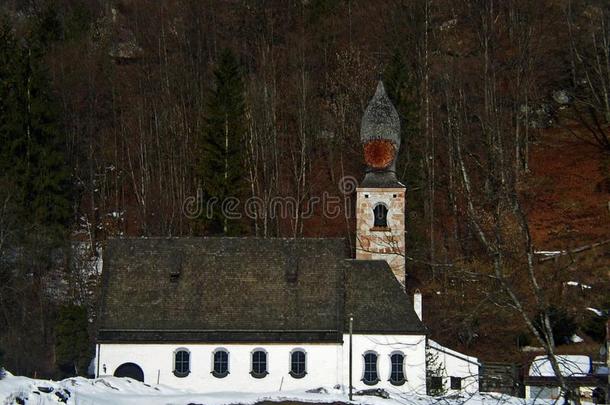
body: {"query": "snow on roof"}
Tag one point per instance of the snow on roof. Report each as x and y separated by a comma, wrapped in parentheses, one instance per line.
(570, 366)
(437, 346)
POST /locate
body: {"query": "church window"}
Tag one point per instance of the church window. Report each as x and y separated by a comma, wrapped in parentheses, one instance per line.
(456, 383)
(259, 363)
(380, 213)
(397, 373)
(370, 369)
(182, 363)
(221, 363)
(297, 364)
(436, 383)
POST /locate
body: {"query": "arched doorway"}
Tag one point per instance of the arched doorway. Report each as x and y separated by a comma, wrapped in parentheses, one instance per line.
(130, 370)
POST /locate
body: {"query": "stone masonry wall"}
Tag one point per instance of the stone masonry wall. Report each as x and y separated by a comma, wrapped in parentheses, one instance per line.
(381, 243)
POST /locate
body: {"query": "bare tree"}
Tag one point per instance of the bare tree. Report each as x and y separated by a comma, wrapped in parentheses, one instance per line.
(488, 185)
(589, 39)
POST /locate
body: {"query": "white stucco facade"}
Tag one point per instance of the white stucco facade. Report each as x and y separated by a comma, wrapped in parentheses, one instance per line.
(327, 364)
(413, 347)
(455, 364)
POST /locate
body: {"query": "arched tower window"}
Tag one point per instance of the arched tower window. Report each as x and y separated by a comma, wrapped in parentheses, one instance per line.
(380, 213)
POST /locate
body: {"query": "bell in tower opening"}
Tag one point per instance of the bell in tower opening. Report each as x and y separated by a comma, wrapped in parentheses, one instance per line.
(380, 198)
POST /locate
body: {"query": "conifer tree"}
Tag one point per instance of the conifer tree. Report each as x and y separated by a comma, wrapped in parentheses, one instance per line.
(32, 148)
(46, 27)
(35, 182)
(434, 370)
(72, 341)
(7, 57)
(221, 162)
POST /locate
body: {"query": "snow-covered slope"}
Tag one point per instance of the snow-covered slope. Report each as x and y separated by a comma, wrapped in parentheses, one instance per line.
(125, 391)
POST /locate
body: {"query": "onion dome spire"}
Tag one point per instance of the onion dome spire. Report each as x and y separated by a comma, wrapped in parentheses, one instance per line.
(380, 119)
(380, 136)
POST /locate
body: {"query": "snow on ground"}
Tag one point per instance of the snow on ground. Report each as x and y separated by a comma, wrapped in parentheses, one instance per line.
(125, 391)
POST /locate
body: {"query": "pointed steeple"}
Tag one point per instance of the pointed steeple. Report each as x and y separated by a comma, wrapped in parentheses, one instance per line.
(380, 136)
(380, 198)
(380, 120)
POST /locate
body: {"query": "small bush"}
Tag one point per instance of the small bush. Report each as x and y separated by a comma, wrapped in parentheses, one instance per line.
(72, 340)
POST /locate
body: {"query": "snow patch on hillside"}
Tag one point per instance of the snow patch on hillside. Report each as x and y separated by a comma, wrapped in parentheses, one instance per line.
(596, 311)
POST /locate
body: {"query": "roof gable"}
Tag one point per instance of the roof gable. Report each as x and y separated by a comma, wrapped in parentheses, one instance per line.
(377, 301)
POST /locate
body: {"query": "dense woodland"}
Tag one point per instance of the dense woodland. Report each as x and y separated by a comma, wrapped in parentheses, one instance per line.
(120, 117)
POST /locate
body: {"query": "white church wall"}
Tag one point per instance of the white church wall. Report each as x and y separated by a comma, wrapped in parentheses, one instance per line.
(413, 347)
(456, 364)
(156, 360)
(326, 364)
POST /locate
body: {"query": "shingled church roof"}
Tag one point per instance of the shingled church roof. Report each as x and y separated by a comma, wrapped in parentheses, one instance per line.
(246, 289)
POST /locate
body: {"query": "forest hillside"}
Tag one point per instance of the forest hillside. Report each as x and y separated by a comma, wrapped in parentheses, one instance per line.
(139, 118)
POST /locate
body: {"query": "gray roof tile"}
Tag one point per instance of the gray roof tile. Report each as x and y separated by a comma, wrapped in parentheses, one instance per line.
(244, 289)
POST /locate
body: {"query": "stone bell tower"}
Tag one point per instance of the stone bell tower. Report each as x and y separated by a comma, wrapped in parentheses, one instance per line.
(380, 198)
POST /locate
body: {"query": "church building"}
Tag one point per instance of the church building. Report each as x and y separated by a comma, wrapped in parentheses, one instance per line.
(255, 315)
